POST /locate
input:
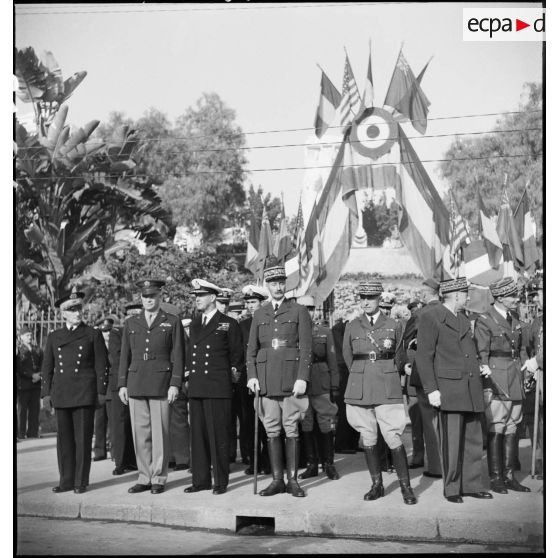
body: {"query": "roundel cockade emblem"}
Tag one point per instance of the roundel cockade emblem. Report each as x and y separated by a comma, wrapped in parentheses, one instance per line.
(374, 133)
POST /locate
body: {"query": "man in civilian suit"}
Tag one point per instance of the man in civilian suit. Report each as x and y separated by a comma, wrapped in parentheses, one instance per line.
(149, 377)
(74, 373)
(215, 353)
(451, 378)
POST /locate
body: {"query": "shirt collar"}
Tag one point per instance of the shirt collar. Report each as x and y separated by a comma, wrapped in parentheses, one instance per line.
(373, 318)
(277, 303)
(210, 315)
(502, 312)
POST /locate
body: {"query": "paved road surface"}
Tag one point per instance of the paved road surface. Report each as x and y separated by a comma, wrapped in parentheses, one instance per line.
(41, 536)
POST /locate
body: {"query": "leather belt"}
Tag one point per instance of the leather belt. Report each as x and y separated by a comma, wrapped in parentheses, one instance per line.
(505, 354)
(150, 356)
(318, 359)
(373, 355)
(278, 343)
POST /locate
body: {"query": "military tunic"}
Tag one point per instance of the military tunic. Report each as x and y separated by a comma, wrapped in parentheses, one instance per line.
(324, 377)
(213, 351)
(374, 355)
(74, 371)
(279, 353)
(152, 360)
(499, 345)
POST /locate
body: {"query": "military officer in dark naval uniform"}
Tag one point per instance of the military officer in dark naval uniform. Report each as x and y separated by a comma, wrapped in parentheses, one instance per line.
(322, 390)
(374, 353)
(254, 296)
(451, 378)
(498, 338)
(428, 413)
(214, 354)
(120, 429)
(150, 375)
(74, 373)
(278, 360)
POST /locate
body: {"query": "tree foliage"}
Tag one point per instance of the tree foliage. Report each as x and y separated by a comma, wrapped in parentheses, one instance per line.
(176, 267)
(378, 221)
(74, 195)
(517, 135)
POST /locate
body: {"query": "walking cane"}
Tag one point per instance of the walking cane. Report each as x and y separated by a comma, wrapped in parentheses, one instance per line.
(536, 429)
(256, 425)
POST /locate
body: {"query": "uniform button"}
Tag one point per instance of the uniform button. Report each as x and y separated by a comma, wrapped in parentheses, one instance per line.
(77, 362)
(193, 354)
(59, 349)
(79, 355)
(275, 329)
(147, 340)
(206, 363)
(146, 349)
(207, 354)
(193, 362)
(80, 347)
(207, 347)
(195, 346)
(205, 371)
(470, 374)
(76, 370)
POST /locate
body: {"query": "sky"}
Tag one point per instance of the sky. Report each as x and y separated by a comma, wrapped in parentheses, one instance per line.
(262, 61)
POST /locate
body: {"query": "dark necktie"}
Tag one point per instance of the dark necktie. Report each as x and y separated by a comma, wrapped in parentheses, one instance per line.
(204, 321)
(509, 318)
(275, 307)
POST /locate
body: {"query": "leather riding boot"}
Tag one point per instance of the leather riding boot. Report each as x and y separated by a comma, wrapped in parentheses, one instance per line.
(292, 446)
(494, 457)
(275, 450)
(326, 443)
(372, 456)
(400, 463)
(509, 464)
(311, 455)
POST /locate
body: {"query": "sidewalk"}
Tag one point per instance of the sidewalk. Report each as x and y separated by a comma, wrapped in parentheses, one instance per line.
(333, 508)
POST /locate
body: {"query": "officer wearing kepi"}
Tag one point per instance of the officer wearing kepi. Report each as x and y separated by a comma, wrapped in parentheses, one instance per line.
(374, 353)
(149, 377)
(498, 339)
(322, 390)
(278, 361)
(74, 375)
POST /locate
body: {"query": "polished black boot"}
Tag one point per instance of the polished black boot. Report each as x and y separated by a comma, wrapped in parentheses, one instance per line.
(494, 457)
(509, 464)
(400, 463)
(311, 455)
(372, 457)
(326, 443)
(292, 448)
(275, 450)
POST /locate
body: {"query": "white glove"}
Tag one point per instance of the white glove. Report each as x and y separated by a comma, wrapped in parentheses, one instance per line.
(435, 398)
(123, 394)
(485, 370)
(299, 387)
(253, 385)
(531, 365)
(408, 369)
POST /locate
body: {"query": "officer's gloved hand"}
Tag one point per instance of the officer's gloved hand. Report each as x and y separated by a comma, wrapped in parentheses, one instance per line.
(299, 387)
(47, 403)
(435, 398)
(253, 385)
(485, 370)
(235, 375)
(333, 395)
(408, 369)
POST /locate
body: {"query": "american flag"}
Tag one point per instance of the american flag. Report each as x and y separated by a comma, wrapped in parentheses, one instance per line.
(459, 237)
(350, 96)
(296, 264)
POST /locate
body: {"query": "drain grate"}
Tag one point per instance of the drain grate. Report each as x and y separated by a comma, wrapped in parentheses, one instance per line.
(255, 526)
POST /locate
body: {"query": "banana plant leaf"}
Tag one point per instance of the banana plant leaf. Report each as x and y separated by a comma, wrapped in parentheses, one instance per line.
(72, 82)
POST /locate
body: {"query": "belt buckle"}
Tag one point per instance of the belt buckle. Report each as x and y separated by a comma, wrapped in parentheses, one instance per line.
(145, 356)
(372, 356)
(275, 343)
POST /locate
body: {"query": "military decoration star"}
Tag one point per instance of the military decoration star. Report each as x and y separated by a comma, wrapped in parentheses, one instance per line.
(388, 343)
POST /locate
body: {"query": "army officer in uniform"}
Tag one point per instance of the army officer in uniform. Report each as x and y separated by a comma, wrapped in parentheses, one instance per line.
(278, 364)
(322, 390)
(149, 377)
(74, 375)
(498, 339)
(215, 353)
(374, 353)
